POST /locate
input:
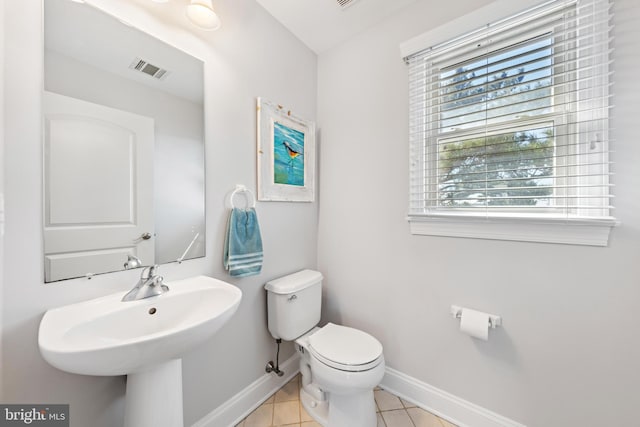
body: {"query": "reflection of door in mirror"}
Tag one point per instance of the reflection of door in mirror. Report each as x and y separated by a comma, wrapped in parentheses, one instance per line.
(98, 187)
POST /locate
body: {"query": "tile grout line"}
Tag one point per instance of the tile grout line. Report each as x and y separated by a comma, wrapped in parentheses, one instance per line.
(273, 408)
(408, 414)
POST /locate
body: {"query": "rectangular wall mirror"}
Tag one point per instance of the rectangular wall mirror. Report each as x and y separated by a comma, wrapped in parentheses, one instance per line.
(124, 167)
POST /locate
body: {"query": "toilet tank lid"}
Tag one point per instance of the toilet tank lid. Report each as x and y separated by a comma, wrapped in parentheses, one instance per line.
(294, 282)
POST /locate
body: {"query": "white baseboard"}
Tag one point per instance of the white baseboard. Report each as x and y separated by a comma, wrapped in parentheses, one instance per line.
(445, 405)
(242, 404)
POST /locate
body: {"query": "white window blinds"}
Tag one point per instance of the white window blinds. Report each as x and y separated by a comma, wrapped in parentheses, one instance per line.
(512, 120)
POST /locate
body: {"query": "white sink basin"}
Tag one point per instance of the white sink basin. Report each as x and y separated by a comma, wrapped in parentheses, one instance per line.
(142, 339)
(106, 336)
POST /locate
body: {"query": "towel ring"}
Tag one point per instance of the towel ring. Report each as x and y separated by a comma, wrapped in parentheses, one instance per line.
(251, 201)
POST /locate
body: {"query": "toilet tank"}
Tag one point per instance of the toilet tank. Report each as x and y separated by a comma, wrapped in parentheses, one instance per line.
(293, 304)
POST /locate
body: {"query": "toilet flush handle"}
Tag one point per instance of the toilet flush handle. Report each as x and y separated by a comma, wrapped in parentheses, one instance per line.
(292, 298)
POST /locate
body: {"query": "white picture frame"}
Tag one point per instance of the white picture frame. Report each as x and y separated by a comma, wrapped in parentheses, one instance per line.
(286, 154)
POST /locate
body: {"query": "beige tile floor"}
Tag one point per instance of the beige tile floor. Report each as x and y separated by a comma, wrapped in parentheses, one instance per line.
(284, 409)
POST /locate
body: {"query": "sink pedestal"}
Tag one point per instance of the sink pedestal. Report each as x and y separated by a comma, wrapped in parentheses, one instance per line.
(154, 396)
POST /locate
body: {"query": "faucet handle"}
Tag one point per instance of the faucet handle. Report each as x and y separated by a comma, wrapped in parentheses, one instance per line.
(149, 272)
(159, 281)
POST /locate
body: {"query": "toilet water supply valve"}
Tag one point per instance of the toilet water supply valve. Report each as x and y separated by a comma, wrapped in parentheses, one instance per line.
(270, 368)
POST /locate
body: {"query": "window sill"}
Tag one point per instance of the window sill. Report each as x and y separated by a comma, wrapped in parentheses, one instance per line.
(588, 232)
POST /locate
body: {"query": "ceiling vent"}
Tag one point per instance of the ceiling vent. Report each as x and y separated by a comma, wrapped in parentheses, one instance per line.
(148, 69)
(345, 3)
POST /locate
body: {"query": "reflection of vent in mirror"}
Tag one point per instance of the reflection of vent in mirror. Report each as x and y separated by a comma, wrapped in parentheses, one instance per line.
(345, 3)
(150, 69)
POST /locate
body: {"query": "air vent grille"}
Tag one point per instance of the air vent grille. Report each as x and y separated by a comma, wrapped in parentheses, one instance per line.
(148, 69)
(345, 3)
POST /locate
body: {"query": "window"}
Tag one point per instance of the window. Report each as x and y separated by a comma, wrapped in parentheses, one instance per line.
(509, 128)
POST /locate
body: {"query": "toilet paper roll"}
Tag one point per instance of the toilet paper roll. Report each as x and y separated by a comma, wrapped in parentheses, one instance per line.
(475, 323)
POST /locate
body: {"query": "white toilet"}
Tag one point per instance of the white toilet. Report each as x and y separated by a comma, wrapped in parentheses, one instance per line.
(340, 366)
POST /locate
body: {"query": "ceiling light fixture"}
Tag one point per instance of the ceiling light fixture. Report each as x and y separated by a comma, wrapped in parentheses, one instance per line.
(202, 15)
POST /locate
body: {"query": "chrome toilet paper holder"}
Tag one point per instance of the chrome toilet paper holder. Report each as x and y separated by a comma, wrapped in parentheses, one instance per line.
(494, 320)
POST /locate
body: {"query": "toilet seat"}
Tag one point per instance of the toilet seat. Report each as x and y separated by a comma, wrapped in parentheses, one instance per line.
(344, 348)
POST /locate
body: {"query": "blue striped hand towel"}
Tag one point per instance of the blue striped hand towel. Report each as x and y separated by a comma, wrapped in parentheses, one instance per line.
(243, 243)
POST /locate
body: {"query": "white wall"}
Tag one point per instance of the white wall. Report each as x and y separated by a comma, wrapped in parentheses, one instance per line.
(250, 56)
(568, 354)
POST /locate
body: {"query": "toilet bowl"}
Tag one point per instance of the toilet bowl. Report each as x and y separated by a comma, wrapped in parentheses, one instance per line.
(345, 364)
(340, 366)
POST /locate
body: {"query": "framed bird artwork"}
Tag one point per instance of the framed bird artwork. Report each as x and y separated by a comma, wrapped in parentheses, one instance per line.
(286, 154)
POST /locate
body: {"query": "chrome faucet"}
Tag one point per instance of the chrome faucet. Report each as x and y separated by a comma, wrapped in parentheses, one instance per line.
(149, 285)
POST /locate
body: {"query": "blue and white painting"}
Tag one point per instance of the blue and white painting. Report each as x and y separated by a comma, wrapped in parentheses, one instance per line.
(288, 155)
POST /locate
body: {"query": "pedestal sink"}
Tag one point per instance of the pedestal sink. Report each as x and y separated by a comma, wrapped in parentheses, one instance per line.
(142, 339)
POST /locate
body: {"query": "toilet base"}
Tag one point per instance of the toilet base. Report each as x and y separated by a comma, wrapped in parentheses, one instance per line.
(355, 410)
(318, 409)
